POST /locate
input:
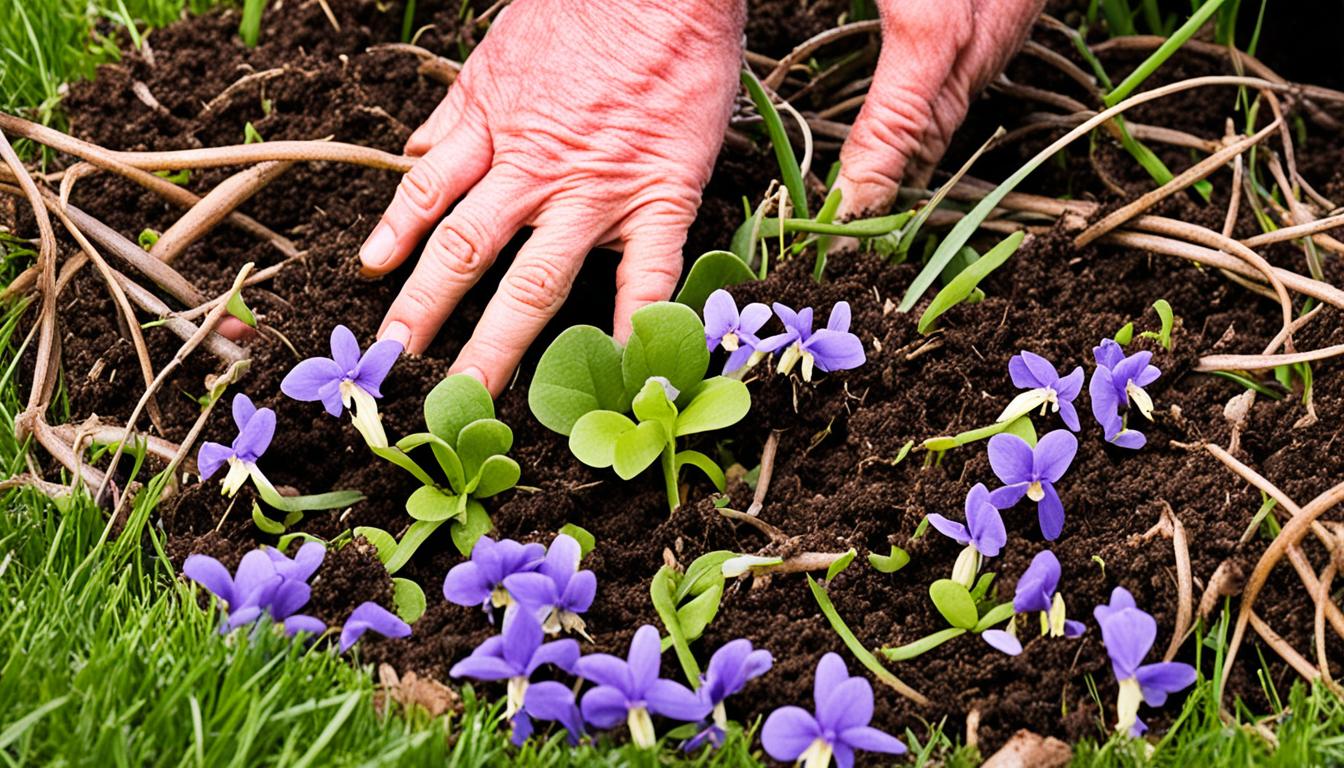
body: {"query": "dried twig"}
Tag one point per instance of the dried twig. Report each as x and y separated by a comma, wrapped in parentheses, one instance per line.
(1260, 362)
(1282, 647)
(214, 208)
(767, 471)
(1184, 582)
(804, 49)
(1322, 598)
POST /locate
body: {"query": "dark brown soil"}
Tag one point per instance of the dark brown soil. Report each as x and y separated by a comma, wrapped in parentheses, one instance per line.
(835, 483)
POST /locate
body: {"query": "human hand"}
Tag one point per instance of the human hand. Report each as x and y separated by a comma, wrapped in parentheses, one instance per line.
(936, 55)
(593, 123)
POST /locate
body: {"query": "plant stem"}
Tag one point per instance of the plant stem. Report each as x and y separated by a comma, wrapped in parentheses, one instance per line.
(669, 460)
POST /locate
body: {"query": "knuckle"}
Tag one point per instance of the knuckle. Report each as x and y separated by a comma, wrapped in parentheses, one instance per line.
(422, 187)
(457, 249)
(421, 299)
(537, 285)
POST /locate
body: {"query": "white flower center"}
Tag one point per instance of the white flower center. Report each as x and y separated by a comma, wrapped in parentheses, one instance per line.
(730, 342)
(517, 687)
(792, 354)
(818, 755)
(1141, 399)
(1057, 616)
(1036, 491)
(364, 413)
(239, 471)
(1127, 706)
(499, 597)
(641, 728)
(967, 566)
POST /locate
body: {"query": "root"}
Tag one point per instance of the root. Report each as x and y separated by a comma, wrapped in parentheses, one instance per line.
(433, 66)
(805, 49)
(1283, 648)
(110, 434)
(767, 471)
(1322, 598)
(1260, 362)
(214, 208)
(1172, 528)
(1226, 581)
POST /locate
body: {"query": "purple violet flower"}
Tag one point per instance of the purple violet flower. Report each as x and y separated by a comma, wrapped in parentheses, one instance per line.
(513, 656)
(1045, 386)
(557, 591)
(304, 563)
(982, 534)
(256, 427)
(629, 689)
(844, 707)
(371, 616)
(1117, 381)
(549, 700)
(1033, 472)
(346, 379)
(736, 333)
(1002, 640)
(1036, 591)
(480, 580)
(832, 348)
(1128, 634)
(257, 588)
(730, 669)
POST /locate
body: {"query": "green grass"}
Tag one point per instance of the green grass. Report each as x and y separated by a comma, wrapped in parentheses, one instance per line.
(106, 658)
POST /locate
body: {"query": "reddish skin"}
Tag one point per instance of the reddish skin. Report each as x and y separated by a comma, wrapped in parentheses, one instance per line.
(603, 129)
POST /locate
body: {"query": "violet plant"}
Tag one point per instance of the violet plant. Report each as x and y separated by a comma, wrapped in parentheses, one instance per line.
(838, 727)
(515, 655)
(732, 666)
(687, 602)
(630, 690)
(371, 617)
(1032, 471)
(1118, 381)
(557, 592)
(470, 447)
(480, 580)
(256, 428)
(983, 534)
(1128, 634)
(735, 332)
(1045, 389)
(587, 386)
(348, 379)
(1037, 591)
(263, 585)
(832, 348)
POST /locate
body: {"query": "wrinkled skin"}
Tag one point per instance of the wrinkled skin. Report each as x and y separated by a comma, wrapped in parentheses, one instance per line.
(598, 124)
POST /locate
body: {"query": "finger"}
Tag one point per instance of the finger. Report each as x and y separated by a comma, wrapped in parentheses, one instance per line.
(529, 295)
(652, 261)
(233, 328)
(921, 41)
(425, 192)
(1001, 26)
(441, 122)
(456, 255)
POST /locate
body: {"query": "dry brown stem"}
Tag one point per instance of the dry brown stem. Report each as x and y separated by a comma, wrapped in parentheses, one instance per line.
(214, 208)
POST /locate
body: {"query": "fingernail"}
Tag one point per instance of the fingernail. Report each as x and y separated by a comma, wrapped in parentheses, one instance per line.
(378, 248)
(398, 332)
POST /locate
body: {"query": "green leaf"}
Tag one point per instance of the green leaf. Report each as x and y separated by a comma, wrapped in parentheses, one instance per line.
(922, 645)
(317, 501)
(415, 536)
(251, 135)
(696, 615)
(581, 535)
(1168, 319)
(876, 226)
(716, 403)
(381, 540)
(965, 282)
(865, 657)
(667, 340)
(409, 600)
(660, 592)
(579, 373)
(841, 564)
(651, 404)
(710, 272)
(147, 238)
(1000, 612)
(954, 602)
(703, 573)
(1125, 335)
(467, 530)
(705, 464)
(498, 474)
(395, 455)
(264, 523)
(443, 453)
(593, 437)
(981, 587)
(480, 440)
(456, 402)
(1023, 428)
(432, 505)
(638, 448)
(789, 170)
(891, 563)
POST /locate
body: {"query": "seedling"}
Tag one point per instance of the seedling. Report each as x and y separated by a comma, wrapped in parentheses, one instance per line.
(1128, 634)
(687, 603)
(1032, 471)
(1163, 335)
(256, 427)
(586, 384)
(891, 563)
(1116, 382)
(470, 447)
(960, 288)
(965, 610)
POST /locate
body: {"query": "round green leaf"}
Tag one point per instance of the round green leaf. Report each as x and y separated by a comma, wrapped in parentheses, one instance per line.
(431, 505)
(498, 474)
(593, 439)
(456, 402)
(409, 600)
(667, 340)
(638, 448)
(710, 272)
(580, 372)
(480, 440)
(473, 525)
(717, 403)
(383, 541)
(954, 602)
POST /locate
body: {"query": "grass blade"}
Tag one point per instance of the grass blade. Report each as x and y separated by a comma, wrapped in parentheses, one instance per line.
(789, 170)
(865, 657)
